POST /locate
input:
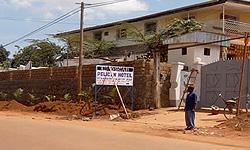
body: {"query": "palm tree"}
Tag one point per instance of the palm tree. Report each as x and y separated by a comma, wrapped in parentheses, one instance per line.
(154, 40)
(98, 48)
(154, 45)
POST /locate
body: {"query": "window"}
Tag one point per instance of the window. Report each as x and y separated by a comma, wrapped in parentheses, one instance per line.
(185, 68)
(229, 17)
(184, 51)
(98, 35)
(106, 33)
(207, 51)
(150, 28)
(189, 17)
(122, 33)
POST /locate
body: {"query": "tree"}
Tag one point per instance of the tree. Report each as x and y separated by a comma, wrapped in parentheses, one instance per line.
(98, 48)
(92, 48)
(6, 64)
(154, 43)
(42, 53)
(155, 40)
(71, 45)
(4, 54)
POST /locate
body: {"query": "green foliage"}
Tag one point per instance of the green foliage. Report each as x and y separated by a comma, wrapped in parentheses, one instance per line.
(87, 94)
(97, 48)
(183, 26)
(50, 98)
(6, 64)
(32, 99)
(113, 92)
(42, 53)
(3, 95)
(4, 54)
(155, 40)
(67, 97)
(71, 45)
(18, 93)
(176, 28)
(92, 48)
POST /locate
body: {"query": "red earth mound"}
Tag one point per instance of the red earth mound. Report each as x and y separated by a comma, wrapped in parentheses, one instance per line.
(13, 106)
(83, 109)
(240, 123)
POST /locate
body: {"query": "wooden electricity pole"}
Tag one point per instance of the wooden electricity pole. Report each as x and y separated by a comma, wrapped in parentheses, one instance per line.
(157, 72)
(81, 56)
(242, 73)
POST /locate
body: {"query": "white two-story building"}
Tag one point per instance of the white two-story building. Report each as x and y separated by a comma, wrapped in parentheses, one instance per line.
(223, 19)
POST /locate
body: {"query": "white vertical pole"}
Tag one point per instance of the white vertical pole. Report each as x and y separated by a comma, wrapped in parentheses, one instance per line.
(223, 18)
(118, 91)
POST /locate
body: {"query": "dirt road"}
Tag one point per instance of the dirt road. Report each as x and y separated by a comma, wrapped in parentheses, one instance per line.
(25, 133)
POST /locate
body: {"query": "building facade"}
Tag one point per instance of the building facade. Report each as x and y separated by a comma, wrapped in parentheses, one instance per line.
(222, 18)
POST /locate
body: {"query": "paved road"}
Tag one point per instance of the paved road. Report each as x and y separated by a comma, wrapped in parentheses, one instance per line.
(27, 134)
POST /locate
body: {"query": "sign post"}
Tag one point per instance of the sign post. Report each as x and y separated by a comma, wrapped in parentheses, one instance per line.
(114, 75)
(111, 75)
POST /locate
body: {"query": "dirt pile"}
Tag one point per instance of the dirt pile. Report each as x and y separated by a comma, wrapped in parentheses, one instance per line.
(79, 109)
(66, 108)
(240, 123)
(13, 106)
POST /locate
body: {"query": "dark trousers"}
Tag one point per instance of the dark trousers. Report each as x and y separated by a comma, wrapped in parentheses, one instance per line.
(189, 117)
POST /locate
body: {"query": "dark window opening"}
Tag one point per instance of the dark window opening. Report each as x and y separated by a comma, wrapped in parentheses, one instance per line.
(150, 28)
(185, 68)
(189, 18)
(106, 33)
(98, 35)
(184, 51)
(122, 33)
(228, 17)
(207, 51)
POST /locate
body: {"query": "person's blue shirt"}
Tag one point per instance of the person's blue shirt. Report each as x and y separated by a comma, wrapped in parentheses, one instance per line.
(191, 101)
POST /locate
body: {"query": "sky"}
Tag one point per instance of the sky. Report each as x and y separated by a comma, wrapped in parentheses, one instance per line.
(19, 17)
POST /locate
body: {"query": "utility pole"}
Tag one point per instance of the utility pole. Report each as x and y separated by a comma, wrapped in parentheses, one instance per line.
(81, 56)
(157, 83)
(242, 73)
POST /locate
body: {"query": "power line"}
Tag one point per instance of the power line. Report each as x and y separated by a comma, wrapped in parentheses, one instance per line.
(103, 3)
(34, 20)
(46, 21)
(70, 13)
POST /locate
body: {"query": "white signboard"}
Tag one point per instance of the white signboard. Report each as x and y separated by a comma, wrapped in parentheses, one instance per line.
(111, 75)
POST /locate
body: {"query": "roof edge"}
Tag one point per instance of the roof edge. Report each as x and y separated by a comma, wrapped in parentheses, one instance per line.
(159, 14)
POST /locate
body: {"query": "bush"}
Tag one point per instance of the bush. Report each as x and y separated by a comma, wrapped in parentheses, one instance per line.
(50, 98)
(67, 97)
(32, 99)
(87, 95)
(3, 95)
(18, 93)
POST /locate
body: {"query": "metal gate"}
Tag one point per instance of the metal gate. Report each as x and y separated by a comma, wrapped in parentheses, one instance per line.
(223, 77)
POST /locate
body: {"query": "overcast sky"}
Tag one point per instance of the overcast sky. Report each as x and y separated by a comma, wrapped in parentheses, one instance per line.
(18, 17)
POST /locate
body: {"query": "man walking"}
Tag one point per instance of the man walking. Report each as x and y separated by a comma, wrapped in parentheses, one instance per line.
(190, 105)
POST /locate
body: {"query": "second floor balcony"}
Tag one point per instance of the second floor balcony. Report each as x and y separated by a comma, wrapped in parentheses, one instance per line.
(229, 27)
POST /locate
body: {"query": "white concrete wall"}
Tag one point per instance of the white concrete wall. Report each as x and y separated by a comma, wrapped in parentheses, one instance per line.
(176, 56)
(214, 54)
(194, 53)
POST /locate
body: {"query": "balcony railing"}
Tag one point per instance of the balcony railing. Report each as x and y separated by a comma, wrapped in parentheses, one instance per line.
(235, 27)
(228, 27)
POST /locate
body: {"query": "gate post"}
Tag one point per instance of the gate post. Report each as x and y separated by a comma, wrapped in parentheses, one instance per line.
(197, 89)
(175, 80)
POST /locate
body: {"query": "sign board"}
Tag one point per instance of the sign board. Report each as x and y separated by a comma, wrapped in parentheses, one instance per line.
(111, 75)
